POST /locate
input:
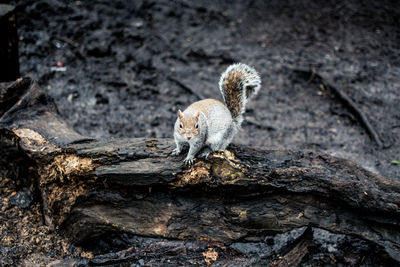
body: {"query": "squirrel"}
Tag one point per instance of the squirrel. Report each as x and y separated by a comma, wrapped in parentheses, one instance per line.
(210, 125)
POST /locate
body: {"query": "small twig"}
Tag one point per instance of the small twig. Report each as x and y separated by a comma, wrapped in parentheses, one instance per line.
(343, 113)
(66, 40)
(186, 88)
(75, 45)
(346, 100)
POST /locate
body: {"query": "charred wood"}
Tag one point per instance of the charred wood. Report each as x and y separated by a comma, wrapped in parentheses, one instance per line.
(132, 185)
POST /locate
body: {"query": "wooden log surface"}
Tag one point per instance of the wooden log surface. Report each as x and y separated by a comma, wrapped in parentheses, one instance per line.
(93, 187)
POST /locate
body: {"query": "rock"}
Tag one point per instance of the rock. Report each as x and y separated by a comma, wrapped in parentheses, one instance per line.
(22, 199)
(272, 244)
(351, 259)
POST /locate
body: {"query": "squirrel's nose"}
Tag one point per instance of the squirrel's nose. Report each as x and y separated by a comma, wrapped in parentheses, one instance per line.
(188, 137)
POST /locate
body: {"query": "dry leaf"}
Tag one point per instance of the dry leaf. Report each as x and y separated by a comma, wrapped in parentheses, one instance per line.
(210, 256)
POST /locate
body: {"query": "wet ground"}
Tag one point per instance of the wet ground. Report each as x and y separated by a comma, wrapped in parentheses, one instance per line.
(120, 68)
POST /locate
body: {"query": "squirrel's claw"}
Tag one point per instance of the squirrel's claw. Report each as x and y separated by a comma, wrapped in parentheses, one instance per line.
(188, 161)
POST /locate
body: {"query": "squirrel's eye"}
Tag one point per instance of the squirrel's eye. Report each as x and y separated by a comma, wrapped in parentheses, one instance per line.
(180, 125)
(197, 126)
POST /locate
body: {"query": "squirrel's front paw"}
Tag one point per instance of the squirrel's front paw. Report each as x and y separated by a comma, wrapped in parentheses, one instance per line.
(176, 152)
(188, 161)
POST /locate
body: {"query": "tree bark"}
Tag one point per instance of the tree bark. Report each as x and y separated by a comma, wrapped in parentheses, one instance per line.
(93, 187)
(9, 64)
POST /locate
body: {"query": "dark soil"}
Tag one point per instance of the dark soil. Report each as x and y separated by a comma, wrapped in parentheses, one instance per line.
(119, 68)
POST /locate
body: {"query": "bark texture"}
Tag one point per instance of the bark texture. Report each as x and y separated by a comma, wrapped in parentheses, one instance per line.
(94, 187)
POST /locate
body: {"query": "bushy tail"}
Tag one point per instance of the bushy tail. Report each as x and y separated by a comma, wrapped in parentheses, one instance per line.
(237, 84)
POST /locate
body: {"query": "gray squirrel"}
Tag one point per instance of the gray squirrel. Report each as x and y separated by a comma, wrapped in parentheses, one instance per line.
(209, 124)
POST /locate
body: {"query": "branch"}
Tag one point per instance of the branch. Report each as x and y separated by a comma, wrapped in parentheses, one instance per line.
(346, 100)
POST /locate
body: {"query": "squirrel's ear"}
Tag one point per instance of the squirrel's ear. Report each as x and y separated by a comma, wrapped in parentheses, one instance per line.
(197, 115)
(180, 114)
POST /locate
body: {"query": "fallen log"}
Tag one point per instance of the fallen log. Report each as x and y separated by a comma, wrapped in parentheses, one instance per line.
(93, 187)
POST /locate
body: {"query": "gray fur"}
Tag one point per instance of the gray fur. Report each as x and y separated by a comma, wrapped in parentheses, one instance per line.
(218, 127)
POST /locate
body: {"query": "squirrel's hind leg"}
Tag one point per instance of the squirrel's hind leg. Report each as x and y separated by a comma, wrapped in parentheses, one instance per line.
(221, 140)
(218, 141)
(228, 136)
(204, 152)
